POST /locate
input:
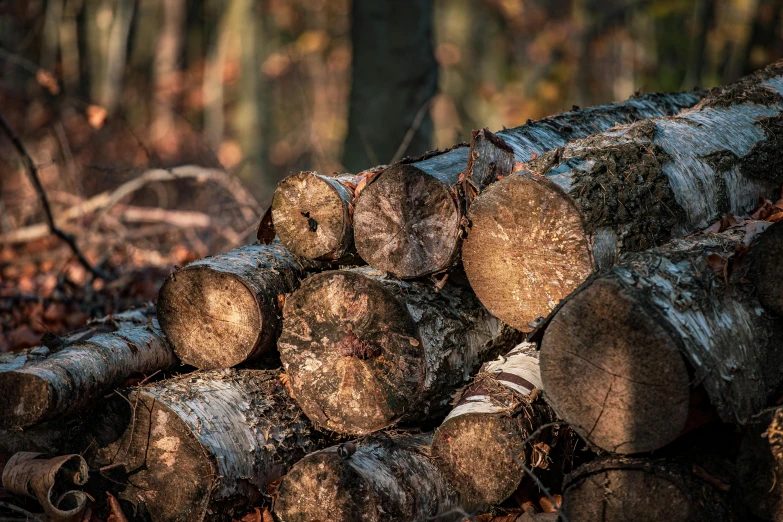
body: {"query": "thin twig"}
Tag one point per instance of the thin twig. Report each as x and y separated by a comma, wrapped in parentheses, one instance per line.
(32, 171)
(406, 141)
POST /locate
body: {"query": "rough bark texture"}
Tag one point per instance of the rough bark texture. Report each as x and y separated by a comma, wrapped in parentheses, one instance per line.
(394, 78)
(480, 445)
(223, 310)
(622, 489)
(49, 481)
(409, 221)
(363, 350)
(77, 373)
(206, 445)
(760, 467)
(379, 478)
(535, 236)
(313, 215)
(626, 356)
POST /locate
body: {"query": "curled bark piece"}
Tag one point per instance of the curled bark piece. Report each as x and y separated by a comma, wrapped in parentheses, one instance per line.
(48, 481)
(363, 350)
(536, 235)
(628, 357)
(645, 490)
(223, 310)
(493, 428)
(206, 445)
(80, 373)
(409, 220)
(760, 467)
(383, 478)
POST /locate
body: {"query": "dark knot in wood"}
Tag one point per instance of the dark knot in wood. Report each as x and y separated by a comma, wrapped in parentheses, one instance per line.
(351, 346)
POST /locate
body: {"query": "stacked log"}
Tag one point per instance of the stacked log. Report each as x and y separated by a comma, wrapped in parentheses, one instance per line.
(500, 427)
(206, 445)
(75, 372)
(760, 467)
(380, 478)
(223, 310)
(365, 351)
(646, 351)
(410, 219)
(535, 236)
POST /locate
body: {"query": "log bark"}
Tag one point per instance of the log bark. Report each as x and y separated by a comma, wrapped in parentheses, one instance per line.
(379, 478)
(205, 446)
(492, 429)
(649, 349)
(536, 235)
(223, 310)
(760, 467)
(409, 221)
(645, 490)
(365, 351)
(78, 372)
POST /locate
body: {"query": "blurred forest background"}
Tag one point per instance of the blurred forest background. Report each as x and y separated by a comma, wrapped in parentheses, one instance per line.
(103, 91)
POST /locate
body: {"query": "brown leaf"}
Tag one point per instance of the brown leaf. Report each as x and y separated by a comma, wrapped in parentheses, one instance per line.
(47, 80)
(547, 506)
(96, 116)
(777, 216)
(703, 474)
(115, 511)
(717, 263)
(281, 301)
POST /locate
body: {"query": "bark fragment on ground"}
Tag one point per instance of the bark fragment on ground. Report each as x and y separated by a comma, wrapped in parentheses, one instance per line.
(536, 235)
(666, 339)
(364, 350)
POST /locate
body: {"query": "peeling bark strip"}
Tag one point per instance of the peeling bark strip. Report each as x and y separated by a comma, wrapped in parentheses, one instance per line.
(535, 236)
(408, 221)
(383, 478)
(760, 468)
(48, 481)
(625, 358)
(480, 443)
(313, 215)
(362, 349)
(223, 310)
(642, 490)
(205, 446)
(80, 374)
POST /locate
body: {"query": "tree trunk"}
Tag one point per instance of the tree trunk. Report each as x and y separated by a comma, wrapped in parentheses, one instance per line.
(480, 445)
(363, 350)
(313, 214)
(535, 236)
(409, 221)
(645, 490)
(81, 368)
(384, 478)
(223, 310)
(394, 78)
(627, 358)
(760, 468)
(205, 446)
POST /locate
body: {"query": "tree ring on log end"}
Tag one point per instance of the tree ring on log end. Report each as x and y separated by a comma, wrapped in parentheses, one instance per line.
(325, 486)
(407, 222)
(352, 352)
(478, 454)
(613, 372)
(311, 216)
(212, 318)
(24, 400)
(526, 249)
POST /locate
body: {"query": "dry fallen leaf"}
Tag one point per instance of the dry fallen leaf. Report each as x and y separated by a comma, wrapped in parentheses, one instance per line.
(96, 116)
(115, 511)
(547, 506)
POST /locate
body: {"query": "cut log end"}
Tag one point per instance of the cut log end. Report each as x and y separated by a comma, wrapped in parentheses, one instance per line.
(324, 487)
(352, 353)
(407, 223)
(614, 372)
(312, 216)
(25, 399)
(472, 452)
(521, 268)
(211, 318)
(766, 267)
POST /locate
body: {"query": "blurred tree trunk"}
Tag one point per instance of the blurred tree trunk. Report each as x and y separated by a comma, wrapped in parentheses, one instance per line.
(394, 77)
(167, 65)
(764, 42)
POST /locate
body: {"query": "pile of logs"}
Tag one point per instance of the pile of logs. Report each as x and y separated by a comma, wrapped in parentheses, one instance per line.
(576, 319)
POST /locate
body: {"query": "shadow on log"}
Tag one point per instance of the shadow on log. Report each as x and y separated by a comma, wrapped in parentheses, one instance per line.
(535, 236)
(363, 350)
(760, 467)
